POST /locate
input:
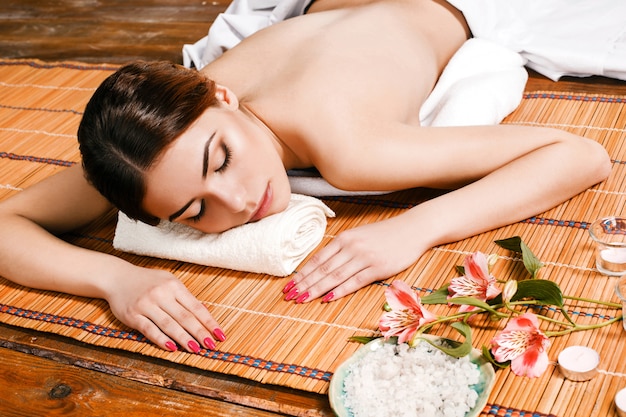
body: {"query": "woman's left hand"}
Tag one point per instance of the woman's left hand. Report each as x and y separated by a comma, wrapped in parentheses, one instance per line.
(353, 259)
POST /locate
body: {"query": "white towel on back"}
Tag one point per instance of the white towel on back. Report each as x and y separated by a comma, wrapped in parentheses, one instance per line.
(274, 245)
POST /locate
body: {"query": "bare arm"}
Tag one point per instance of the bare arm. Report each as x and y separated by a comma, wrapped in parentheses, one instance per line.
(154, 302)
(511, 173)
(509, 178)
(56, 205)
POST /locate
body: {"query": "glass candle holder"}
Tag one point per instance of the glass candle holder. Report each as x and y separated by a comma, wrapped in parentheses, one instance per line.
(609, 235)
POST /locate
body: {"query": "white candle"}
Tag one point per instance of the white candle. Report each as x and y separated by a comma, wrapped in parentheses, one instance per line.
(579, 363)
(614, 255)
(620, 402)
(611, 261)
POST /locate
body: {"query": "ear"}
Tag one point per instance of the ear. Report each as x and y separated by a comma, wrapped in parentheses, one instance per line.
(226, 97)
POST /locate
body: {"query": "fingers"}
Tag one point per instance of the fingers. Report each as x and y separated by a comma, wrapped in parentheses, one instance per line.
(171, 317)
(191, 325)
(174, 327)
(163, 330)
(331, 274)
(308, 283)
(333, 286)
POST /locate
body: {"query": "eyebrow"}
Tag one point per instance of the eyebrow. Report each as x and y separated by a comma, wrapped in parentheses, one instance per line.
(205, 169)
(205, 163)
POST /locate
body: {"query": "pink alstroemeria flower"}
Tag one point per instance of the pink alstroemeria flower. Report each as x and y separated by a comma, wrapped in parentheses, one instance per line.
(522, 343)
(407, 313)
(477, 281)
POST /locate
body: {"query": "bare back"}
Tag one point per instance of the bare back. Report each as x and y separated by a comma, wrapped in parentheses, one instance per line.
(317, 79)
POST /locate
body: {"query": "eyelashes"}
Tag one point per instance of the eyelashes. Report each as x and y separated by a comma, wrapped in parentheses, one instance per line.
(227, 158)
(222, 168)
(197, 217)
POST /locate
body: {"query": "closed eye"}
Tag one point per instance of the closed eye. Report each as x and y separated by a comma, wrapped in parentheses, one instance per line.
(227, 158)
(197, 217)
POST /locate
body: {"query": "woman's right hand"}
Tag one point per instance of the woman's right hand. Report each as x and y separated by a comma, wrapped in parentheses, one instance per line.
(157, 304)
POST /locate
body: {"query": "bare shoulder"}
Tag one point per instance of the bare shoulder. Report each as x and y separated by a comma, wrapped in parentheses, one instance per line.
(342, 37)
(324, 82)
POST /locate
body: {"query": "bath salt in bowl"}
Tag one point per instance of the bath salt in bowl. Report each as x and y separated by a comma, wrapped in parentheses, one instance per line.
(386, 379)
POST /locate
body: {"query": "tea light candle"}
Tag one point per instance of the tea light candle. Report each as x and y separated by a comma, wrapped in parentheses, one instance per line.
(611, 261)
(579, 363)
(614, 255)
(620, 403)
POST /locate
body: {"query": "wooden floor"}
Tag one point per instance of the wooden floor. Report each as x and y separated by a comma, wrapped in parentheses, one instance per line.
(112, 31)
(48, 375)
(118, 31)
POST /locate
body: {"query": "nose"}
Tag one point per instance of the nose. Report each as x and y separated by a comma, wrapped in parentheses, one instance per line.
(230, 195)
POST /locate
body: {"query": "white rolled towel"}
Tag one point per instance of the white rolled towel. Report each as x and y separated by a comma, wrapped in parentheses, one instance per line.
(274, 245)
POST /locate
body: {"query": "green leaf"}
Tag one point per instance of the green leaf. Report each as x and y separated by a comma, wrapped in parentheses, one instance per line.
(531, 262)
(437, 297)
(541, 291)
(536, 291)
(451, 347)
(489, 356)
(362, 339)
(460, 269)
(513, 244)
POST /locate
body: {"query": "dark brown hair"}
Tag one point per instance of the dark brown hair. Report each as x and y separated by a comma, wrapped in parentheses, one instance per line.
(133, 116)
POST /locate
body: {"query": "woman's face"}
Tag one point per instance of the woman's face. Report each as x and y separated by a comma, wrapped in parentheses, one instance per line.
(222, 172)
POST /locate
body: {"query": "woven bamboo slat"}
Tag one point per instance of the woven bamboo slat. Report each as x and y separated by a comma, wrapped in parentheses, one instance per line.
(300, 346)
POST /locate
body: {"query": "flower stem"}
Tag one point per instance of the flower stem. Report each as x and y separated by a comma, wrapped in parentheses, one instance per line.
(567, 316)
(580, 327)
(604, 303)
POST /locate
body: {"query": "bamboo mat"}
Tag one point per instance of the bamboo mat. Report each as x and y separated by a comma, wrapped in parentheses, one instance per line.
(299, 346)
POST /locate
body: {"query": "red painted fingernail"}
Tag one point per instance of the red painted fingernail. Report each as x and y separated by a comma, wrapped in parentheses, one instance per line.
(289, 286)
(193, 346)
(302, 298)
(208, 342)
(328, 297)
(171, 346)
(219, 334)
(292, 294)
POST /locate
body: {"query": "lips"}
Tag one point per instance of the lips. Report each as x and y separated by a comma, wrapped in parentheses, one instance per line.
(264, 205)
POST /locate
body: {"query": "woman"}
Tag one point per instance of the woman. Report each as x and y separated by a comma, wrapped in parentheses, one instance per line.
(323, 90)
